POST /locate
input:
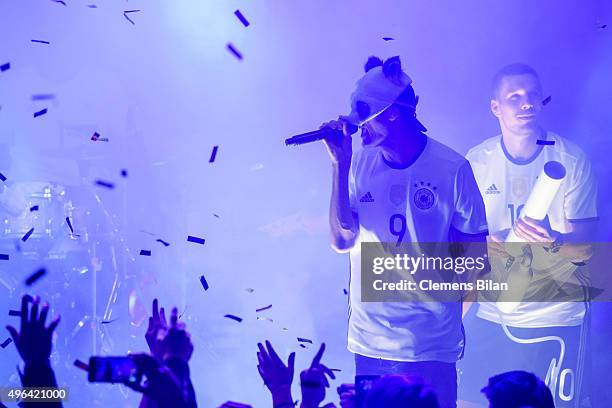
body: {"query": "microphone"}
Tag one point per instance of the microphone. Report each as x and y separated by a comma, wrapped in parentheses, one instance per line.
(317, 135)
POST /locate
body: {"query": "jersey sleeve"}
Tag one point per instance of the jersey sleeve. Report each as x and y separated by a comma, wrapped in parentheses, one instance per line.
(580, 202)
(469, 213)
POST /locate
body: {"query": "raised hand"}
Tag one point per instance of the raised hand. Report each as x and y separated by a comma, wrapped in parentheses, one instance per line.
(313, 381)
(177, 341)
(33, 341)
(273, 371)
(158, 327)
(346, 392)
(162, 384)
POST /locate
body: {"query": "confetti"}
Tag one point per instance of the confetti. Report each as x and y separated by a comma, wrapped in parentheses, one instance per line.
(546, 100)
(265, 318)
(545, 142)
(603, 26)
(42, 97)
(40, 113)
(335, 369)
(216, 215)
(14, 312)
(213, 155)
(69, 225)
(6, 343)
(345, 291)
(123, 173)
(27, 235)
(41, 41)
(243, 20)
(2, 177)
(303, 340)
(234, 51)
(302, 346)
(203, 282)
(34, 208)
(388, 38)
(263, 308)
(250, 290)
(236, 318)
(164, 243)
(96, 138)
(125, 14)
(196, 240)
(108, 321)
(92, 6)
(145, 252)
(59, 1)
(35, 276)
(106, 184)
(4, 257)
(5, 67)
(81, 365)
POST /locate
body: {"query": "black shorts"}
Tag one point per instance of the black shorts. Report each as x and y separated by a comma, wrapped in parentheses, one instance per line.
(489, 351)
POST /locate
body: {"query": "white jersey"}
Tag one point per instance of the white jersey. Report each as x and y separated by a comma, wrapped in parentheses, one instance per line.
(424, 201)
(505, 184)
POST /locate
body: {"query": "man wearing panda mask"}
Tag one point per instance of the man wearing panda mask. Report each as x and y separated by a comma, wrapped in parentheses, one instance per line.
(401, 186)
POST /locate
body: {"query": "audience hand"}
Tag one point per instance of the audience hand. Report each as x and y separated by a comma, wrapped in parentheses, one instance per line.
(346, 392)
(313, 381)
(34, 340)
(162, 385)
(177, 341)
(158, 327)
(273, 371)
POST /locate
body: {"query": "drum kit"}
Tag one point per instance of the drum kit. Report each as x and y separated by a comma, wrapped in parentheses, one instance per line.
(78, 244)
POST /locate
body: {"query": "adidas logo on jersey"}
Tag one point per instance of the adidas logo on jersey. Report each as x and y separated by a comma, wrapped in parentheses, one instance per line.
(367, 198)
(492, 190)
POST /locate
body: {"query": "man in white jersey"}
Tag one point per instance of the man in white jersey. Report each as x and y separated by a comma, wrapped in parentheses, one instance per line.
(506, 167)
(402, 186)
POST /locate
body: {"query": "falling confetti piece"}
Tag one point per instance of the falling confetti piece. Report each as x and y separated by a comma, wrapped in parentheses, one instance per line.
(388, 38)
(265, 318)
(42, 97)
(302, 346)
(546, 142)
(236, 318)
(164, 243)
(196, 240)
(345, 291)
(69, 225)
(34, 208)
(4, 257)
(250, 290)
(14, 312)
(203, 282)
(40, 113)
(2, 177)
(59, 1)
(35, 276)
(243, 20)
(603, 26)
(213, 155)
(6, 343)
(303, 340)
(125, 14)
(27, 235)
(216, 215)
(41, 41)
(106, 184)
(124, 173)
(81, 365)
(547, 100)
(92, 6)
(234, 51)
(335, 369)
(108, 321)
(145, 252)
(263, 308)
(5, 67)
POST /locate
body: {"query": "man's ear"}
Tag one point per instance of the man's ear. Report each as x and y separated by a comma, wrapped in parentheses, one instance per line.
(393, 114)
(495, 108)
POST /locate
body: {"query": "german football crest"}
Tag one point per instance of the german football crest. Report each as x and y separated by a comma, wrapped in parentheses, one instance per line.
(424, 197)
